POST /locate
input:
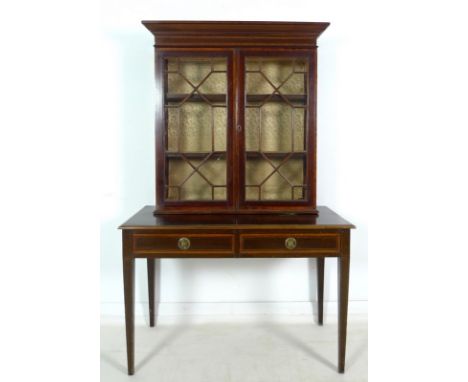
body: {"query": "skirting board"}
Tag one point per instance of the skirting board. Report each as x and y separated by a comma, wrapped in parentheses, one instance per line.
(357, 309)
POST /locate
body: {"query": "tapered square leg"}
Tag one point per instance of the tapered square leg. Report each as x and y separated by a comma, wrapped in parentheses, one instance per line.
(151, 285)
(320, 281)
(129, 293)
(343, 288)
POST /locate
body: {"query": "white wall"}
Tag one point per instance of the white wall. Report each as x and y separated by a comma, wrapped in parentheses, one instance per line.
(128, 166)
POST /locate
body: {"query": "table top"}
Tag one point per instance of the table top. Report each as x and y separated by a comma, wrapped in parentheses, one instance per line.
(326, 218)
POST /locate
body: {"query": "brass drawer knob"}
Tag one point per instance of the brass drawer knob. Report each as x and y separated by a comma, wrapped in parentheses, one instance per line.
(183, 243)
(290, 243)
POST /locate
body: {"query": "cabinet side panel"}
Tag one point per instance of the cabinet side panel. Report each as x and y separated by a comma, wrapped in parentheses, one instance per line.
(312, 124)
(159, 129)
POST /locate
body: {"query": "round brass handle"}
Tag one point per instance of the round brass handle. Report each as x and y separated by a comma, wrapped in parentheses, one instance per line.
(183, 243)
(290, 243)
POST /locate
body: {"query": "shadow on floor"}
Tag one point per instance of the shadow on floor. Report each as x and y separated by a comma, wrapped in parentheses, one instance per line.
(284, 335)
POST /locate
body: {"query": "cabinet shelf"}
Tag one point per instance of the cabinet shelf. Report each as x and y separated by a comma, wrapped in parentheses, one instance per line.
(250, 98)
(275, 154)
(293, 98)
(195, 155)
(249, 154)
(214, 98)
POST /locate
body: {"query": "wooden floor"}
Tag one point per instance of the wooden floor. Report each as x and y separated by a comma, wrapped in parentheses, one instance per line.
(234, 349)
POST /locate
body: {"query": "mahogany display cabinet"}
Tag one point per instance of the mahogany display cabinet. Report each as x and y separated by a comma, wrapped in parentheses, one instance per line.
(235, 156)
(235, 116)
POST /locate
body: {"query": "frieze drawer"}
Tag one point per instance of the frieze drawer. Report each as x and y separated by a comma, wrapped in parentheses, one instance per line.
(284, 243)
(202, 244)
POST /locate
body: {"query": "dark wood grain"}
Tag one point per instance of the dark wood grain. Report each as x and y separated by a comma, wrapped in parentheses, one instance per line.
(343, 289)
(238, 99)
(274, 242)
(129, 294)
(320, 285)
(326, 218)
(234, 33)
(235, 41)
(244, 236)
(167, 243)
(150, 262)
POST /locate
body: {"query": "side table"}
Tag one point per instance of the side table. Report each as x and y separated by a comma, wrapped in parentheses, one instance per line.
(152, 237)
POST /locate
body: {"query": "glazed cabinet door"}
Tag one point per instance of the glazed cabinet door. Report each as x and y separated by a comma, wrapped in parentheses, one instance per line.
(277, 124)
(194, 130)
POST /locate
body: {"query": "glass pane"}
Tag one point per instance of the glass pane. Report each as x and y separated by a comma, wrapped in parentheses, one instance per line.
(196, 179)
(196, 128)
(185, 73)
(266, 74)
(264, 183)
(275, 128)
(190, 129)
